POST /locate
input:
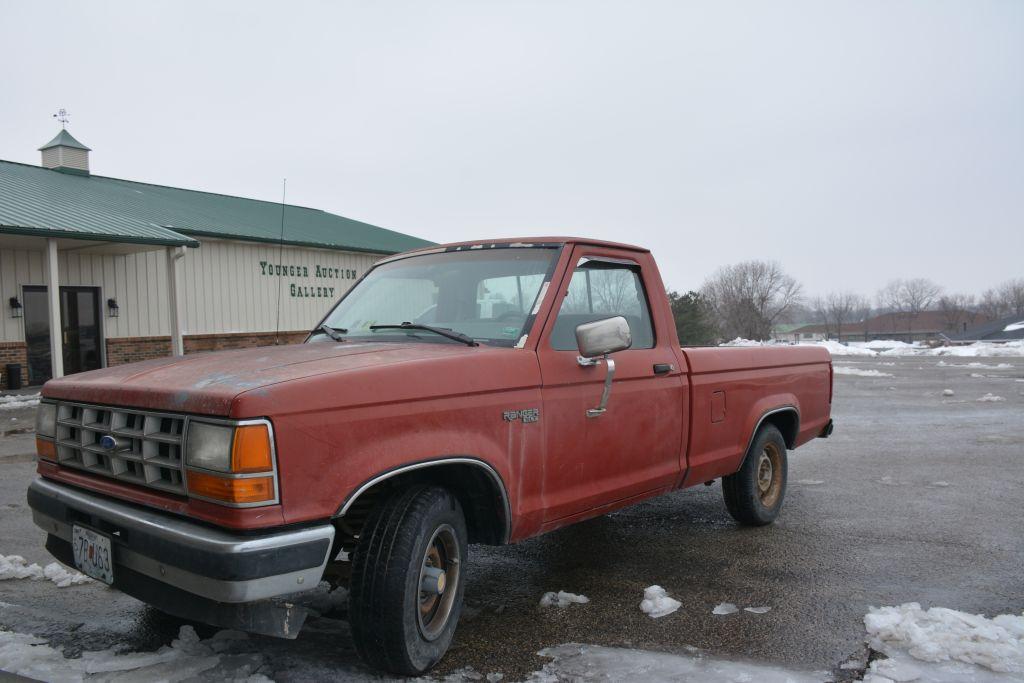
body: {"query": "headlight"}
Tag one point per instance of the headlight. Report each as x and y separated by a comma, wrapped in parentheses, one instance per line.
(225, 462)
(46, 429)
(46, 420)
(209, 446)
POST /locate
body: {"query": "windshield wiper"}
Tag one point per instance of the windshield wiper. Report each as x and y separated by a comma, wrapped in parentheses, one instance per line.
(443, 331)
(332, 332)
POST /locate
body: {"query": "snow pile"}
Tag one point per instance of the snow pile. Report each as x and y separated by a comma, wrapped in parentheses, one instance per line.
(1013, 327)
(17, 567)
(941, 635)
(974, 364)
(886, 347)
(883, 344)
(562, 599)
(757, 610)
(725, 608)
(575, 662)
(947, 392)
(837, 349)
(656, 602)
(845, 370)
(740, 341)
(990, 398)
(186, 658)
(975, 350)
(18, 401)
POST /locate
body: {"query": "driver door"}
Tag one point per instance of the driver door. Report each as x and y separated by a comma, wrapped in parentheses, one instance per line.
(633, 448)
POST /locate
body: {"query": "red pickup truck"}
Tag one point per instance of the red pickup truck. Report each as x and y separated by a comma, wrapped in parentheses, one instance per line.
(467, 393)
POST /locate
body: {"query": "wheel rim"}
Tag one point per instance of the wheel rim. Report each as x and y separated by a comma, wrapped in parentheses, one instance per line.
(769, 475)
(438, 582)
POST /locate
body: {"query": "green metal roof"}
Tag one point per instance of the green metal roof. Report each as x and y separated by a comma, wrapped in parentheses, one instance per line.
(65, 139)
(39, 201)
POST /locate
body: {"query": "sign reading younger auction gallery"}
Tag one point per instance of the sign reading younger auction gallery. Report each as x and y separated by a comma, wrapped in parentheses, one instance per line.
(298, 290)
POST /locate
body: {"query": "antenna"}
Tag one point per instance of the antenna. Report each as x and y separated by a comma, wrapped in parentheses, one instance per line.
(63, 117)
(280, 263)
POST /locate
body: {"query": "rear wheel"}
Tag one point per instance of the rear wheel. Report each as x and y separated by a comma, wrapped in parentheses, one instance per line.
(407, 587)
(754, 495)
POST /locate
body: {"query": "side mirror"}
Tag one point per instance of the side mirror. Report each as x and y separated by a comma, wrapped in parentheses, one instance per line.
(601, 337)
(596, 340)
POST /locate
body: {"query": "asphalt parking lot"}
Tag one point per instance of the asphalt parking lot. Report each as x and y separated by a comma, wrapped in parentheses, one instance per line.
(916, 497)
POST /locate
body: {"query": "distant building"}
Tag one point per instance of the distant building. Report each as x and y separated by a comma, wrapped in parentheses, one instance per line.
(926, 325)
(1005, 329)
(125, 271)
(796, 332)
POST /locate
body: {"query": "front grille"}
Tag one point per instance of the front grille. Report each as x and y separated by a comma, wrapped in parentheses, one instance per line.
(147, 446)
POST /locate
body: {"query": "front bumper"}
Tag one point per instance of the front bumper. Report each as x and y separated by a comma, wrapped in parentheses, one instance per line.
(162, 559)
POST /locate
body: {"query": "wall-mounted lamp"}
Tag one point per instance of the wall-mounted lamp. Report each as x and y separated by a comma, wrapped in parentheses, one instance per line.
(16, 309)
(113, 310)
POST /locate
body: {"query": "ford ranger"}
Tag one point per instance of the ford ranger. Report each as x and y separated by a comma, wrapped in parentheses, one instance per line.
(467, 393)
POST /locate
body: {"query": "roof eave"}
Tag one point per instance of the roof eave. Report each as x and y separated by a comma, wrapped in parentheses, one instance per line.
(286, 241)
(96, 237)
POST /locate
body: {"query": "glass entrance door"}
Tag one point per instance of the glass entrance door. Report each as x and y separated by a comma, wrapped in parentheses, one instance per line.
(81, 331)
(37, 334)
(80, 323)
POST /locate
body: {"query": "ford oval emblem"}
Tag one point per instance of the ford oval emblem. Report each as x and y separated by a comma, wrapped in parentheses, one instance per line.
(107, 442)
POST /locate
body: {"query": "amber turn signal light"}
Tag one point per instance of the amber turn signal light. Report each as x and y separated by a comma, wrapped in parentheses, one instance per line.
(46, 450)
(244, 490)
(250, 451)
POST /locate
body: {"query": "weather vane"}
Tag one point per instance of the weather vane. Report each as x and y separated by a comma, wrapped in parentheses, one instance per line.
(62, 116)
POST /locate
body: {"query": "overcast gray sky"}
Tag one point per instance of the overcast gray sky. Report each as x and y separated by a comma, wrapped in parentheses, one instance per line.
(852, 141)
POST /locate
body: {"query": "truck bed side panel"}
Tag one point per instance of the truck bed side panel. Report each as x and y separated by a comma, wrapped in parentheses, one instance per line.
(732, 388)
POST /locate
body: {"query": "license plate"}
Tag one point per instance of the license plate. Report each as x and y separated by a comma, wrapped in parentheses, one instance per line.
(92, 554)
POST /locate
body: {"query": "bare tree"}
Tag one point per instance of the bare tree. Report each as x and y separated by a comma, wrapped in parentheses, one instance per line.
(919, 294)
(820, 307)
(907, 298)
(842, 308)
(749, 298)
(1011, 293)
(992, 305)
(957, 311)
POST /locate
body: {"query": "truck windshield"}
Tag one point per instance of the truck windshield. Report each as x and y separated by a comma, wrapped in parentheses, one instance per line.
(485, 294)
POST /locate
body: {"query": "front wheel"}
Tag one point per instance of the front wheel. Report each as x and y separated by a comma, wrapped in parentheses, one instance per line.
(754, 495)
(406, 589)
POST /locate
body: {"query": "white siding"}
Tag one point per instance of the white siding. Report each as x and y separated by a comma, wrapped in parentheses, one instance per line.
(228, 290)
(224, 287)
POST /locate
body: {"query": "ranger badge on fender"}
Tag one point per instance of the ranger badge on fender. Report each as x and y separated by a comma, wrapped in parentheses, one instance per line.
(526, 415)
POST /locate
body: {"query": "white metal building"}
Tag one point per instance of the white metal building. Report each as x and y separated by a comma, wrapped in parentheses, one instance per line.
(145, 270)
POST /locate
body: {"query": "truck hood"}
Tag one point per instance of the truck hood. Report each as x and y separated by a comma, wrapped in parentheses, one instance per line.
(208, 383)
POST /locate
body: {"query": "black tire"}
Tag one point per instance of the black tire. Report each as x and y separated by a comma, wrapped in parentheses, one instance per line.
(749, 500)
(394, 628)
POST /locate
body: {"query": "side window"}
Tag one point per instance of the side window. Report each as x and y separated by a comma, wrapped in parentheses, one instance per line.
(600, 289)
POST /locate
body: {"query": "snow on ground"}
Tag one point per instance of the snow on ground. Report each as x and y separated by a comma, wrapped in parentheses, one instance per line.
(990, 398)
(186, 658)
(562, 599)
(944, 645)
(884, 347)
(974, 364)
(847, 370)
(575, 662)
(18, 401)
(757, 610)
(17, 567)
(657, 603)
(725, 608)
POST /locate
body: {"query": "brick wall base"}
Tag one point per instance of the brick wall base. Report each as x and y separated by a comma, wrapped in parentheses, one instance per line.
(13, 352)
(122, 350)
